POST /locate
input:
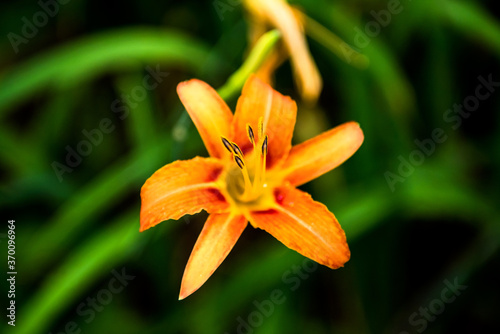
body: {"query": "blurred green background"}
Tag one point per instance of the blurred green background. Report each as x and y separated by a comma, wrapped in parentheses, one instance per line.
(418, 201)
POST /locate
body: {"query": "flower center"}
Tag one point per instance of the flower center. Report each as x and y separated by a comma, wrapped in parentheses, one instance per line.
(246, 180)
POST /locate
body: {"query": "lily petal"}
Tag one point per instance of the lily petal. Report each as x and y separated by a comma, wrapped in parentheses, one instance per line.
(322, 153)
(305, 226)
(278, 112)
(279, 14)
(219, 235)
(210, 114)
(179, 188)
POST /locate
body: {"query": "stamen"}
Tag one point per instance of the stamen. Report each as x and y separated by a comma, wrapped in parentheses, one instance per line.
(260, 174)
(244, 171)
(263, 166)
(252, 188)
(250, 134)
(237, 150)
(227, 145)
(239, 162)
(264, 147)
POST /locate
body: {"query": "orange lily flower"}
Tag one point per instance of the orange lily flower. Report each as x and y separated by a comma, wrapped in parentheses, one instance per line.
(250, 176)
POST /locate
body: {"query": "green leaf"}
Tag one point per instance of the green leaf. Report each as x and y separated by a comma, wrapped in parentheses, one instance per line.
(99, 255)
(80, 61)
(471, 20)
(81, 210)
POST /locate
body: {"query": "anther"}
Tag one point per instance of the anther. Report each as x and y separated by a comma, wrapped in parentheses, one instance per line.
(237, 149)
(227, 145)
(264, 146)
(239, 161)
(250, 134)
(261, 128)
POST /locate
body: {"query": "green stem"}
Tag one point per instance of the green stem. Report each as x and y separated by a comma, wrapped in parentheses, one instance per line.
(257, 56)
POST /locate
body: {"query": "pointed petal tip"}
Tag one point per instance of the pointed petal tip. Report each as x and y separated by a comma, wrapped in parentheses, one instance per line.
(142, 226)
(341, 261)
(182, 295)
(181, 84)
(356, 127)
(326, 151)
(188, 288)
(219, 235)
(351, 130)
(184, 86)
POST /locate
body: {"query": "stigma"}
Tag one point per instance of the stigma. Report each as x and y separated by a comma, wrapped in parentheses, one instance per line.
(248, 184)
